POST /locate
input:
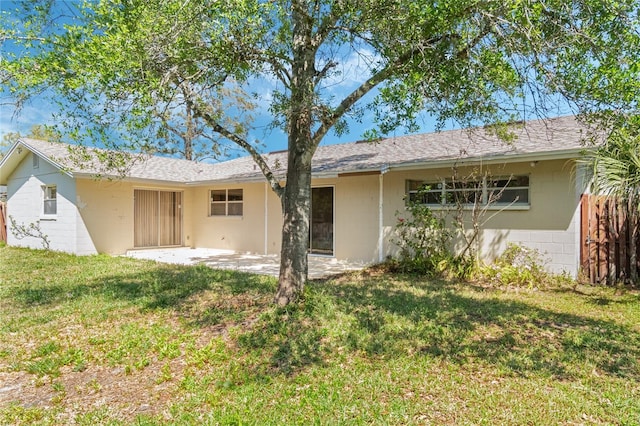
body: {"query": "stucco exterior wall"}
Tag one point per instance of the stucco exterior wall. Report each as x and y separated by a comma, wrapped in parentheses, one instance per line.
(550, 224)
(355, 227)
(244, 233)
(274, 222)
(107, 209)
(355, 216)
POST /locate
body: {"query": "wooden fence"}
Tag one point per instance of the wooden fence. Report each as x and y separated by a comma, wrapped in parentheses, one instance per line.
(3, 221)
(610, 235)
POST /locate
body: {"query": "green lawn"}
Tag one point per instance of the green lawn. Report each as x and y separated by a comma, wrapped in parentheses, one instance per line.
(100, 340)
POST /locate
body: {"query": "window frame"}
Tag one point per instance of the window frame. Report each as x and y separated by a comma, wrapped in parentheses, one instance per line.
(227, 202)
(49, 200)
(443, 189)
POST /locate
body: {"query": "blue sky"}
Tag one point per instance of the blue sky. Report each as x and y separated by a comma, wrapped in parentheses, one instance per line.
(354, 67)
(40, 111)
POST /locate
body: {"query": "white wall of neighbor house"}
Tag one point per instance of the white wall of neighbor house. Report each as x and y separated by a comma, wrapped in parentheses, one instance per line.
(550, 224)
(25, 205)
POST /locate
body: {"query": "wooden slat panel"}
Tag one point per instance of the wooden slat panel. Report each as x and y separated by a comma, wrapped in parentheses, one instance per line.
(622, 231)
(145, 218)
(612, 239)
(601, 220)
(170, 218)
(3, 222)
(585, 258)
(609, 229)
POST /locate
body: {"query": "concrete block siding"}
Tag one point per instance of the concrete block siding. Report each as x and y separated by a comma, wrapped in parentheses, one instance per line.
(559, 248)
(25, 205)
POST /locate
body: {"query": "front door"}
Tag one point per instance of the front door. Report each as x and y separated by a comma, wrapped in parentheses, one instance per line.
(321, 226)
(157, 218)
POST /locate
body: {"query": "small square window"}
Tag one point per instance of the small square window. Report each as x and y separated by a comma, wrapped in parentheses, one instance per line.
(226, 202)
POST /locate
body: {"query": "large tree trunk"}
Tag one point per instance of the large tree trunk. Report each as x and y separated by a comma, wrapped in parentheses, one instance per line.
(296, 205)
(296, 200)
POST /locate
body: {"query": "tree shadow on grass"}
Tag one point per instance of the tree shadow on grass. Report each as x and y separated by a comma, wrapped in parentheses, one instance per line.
(440, 321)
(164, 286)
(391, 316)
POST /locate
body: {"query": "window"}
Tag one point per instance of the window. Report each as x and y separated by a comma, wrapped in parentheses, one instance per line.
(500, 191)
(509, 190)
(50, 204)
(36, 161)
(226, 202)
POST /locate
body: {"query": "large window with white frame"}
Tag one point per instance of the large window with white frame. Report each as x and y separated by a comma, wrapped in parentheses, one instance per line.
(501, 191)
(50, 200)
(226, 202)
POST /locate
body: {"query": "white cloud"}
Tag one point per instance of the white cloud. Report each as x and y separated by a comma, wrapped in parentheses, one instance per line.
(353, 68)
(36, 111)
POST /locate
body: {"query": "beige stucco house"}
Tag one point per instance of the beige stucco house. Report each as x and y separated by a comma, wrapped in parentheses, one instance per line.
(358, 188)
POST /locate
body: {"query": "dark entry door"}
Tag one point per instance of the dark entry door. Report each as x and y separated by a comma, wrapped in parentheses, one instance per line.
(321, 226)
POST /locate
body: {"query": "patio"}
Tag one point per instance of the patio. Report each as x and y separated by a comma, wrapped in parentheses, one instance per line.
(319, 266)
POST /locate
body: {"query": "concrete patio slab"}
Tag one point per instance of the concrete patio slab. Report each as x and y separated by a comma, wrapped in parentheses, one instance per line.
(319, 266)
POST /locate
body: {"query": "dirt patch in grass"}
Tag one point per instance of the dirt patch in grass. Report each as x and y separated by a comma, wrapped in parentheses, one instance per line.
(94, 388)
(124, 392)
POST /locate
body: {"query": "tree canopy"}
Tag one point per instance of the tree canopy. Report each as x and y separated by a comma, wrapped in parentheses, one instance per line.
(114, 64)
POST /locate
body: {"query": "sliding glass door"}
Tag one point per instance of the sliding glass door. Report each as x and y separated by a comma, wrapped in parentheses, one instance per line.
(321, 226)
(157, 218)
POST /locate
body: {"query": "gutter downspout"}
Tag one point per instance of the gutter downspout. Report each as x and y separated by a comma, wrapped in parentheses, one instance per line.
(384, 169)
(266, 218)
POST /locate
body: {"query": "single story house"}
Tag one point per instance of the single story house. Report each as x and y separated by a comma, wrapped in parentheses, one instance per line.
(358, 188)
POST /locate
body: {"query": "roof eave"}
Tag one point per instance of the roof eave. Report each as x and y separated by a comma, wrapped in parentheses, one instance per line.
(17, 153)
(431, 164)
(158, 182)
(565, 154)
(233, 180)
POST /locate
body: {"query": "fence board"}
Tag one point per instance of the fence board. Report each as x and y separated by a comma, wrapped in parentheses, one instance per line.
(609, 231)
(3, 222)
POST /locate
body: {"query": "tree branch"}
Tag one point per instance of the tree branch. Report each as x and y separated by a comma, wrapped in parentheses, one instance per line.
(330, 119)
(257, 157)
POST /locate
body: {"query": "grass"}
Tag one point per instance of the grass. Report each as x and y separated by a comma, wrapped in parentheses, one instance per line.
(101, 340)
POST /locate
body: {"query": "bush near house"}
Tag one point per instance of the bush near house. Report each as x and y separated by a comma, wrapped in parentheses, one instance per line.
(520, 266)
(102, 340)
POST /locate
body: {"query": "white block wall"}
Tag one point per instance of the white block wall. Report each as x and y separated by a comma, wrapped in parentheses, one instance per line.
(65, 230)
(559, 249)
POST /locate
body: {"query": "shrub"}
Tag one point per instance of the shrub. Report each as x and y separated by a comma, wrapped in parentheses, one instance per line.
(520, 266)
(423, 240)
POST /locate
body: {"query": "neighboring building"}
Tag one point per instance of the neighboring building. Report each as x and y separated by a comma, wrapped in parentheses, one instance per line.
(357, 190)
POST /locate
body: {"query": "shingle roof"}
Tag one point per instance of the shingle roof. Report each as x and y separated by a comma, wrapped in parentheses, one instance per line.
(134, 166)
(541, 137)
(556, 136)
